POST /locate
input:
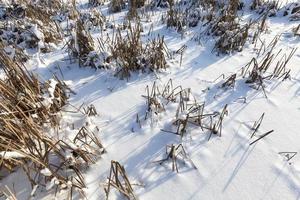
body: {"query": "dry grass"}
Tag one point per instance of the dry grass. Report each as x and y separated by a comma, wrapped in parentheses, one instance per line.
(131, 55)
(42, 16)
(271, 66)
(26, 118)
(95, 2)
(269, 7)
(188, 114)
(175, 17)
(80, 44)
(174, 154)
(51, 4)
(296, 30)
(118, 179)
(116, 5)
(93, 19)
(134, 5)
(84, 41)
(231, 36)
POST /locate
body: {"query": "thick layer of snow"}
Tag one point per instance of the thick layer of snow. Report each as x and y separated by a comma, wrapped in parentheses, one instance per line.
(227, 166)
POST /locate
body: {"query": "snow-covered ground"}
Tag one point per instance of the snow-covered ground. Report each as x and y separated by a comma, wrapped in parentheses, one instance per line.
(225, 167)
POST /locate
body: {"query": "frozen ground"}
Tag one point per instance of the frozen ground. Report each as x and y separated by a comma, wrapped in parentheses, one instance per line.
(226, 167)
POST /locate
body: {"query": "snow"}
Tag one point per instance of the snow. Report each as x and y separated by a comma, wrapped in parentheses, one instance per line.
(37, 32)
(227, 166)
(10, 154)
(46, 172)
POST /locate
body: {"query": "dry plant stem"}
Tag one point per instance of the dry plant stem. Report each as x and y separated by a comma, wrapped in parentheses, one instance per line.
(173, 153)
(90, 110)
(23, 113)
(118, 179)
(257, 124)
(288, 154)
(217, 127)
(230, 82)
(264, 135)
(9, 194)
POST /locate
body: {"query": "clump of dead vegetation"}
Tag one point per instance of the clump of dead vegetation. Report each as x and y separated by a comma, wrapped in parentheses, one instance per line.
(26, 25)
(274, 8)
(134, 6)
(292, 10)
(93, 20)
(230, 34)
(265, 6)
(220, 19)
(183, 15)
(259, 71)
(296, 30)
(118, 179)
(52, 5)
(81, 43)
(20, 36)
(42, 17)
(174, 154)
(270, 64)
(188, 114)
(81, 47)
(175, 17)
(29, 114)
(124, 51)
(130, 54)
(95, 3)
(116, 5)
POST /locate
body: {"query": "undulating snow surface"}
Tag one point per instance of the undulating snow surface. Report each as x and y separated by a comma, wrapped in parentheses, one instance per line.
(225, 167)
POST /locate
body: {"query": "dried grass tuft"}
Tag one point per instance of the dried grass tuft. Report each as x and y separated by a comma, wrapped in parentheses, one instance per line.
(131, 55)
(29, 109)
(116, 5)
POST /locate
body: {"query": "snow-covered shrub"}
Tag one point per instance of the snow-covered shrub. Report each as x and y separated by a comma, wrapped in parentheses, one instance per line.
(155, 54)
(22, 34)
(183, 14)
(127, 51)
